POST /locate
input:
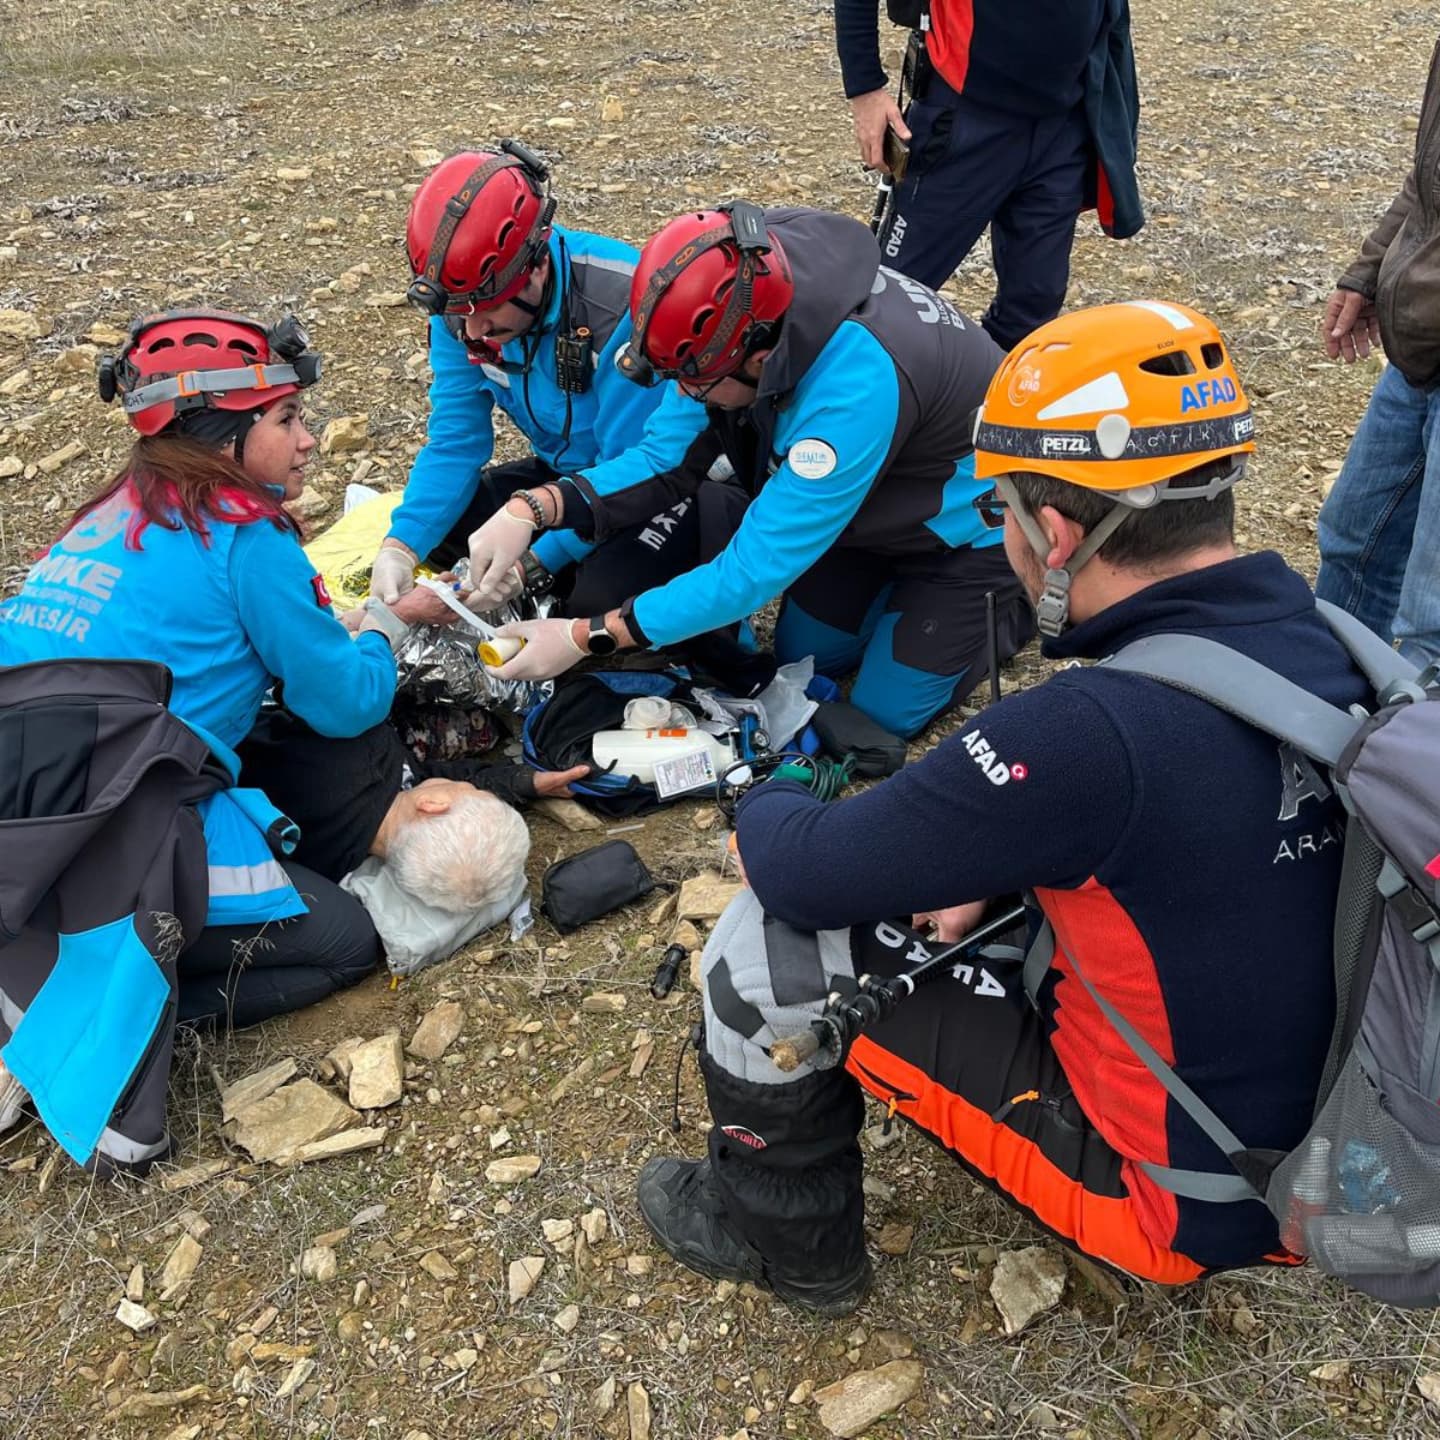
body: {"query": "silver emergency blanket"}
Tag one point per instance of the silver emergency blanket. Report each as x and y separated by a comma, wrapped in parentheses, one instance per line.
(441, 664)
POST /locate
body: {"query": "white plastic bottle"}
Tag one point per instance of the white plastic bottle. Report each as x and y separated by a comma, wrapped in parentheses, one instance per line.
(686, 759)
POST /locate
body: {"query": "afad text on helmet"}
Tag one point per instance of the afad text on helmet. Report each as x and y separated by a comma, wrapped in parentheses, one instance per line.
(1205, 393)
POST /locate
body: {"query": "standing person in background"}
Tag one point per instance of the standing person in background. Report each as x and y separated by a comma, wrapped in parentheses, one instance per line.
(1020, 117)
(1380, 525)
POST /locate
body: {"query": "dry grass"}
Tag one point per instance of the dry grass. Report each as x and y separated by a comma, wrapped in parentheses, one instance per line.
(113, 38)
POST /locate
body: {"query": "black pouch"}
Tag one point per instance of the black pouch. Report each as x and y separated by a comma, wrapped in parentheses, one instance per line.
(593, 883)
(844, 729)
(917, 68)
(909, 13)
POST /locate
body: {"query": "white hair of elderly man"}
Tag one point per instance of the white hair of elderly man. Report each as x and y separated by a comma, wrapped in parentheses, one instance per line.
(464, 859)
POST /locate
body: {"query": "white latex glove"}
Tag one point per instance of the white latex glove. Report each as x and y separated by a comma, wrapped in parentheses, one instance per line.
(393, 573)
(495, 549)
(512, 584)
(550, 649)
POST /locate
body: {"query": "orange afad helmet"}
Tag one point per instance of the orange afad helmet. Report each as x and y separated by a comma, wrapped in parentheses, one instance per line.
(1117, 398)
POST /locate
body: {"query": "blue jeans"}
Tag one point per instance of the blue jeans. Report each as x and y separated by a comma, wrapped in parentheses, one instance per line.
(1380, 527)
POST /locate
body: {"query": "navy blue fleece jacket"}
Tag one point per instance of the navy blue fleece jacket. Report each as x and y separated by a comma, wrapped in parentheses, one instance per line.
(1188, 861)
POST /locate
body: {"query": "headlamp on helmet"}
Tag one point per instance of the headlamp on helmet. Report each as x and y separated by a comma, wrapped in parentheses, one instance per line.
(711, 289)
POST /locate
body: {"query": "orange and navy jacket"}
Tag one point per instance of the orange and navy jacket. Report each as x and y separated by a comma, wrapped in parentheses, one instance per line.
(1187, 861)
(1041, 58)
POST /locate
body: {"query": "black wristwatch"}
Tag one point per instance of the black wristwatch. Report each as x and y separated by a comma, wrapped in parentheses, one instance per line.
(538, 580)
(601, 641)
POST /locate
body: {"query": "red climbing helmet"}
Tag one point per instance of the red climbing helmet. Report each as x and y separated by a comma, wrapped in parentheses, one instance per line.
(478, 226)
(710, 288)
(180, 360)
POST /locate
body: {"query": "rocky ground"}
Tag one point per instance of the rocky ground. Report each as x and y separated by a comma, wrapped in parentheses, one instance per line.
(482, 1272)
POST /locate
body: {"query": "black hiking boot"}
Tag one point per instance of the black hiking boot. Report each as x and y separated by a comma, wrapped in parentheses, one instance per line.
(680, 1203)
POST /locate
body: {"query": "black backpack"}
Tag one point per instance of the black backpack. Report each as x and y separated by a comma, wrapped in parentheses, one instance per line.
(560, 732)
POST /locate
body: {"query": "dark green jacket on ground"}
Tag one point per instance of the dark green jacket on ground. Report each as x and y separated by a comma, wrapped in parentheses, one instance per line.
(1399, 264)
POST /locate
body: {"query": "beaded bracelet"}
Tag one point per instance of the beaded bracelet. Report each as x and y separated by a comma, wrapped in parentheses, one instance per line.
(536, 508)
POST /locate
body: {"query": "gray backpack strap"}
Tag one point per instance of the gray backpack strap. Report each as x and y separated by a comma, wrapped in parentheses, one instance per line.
(1245, 688)
(1037, 962)
(1381, 664)
(1192, 1184)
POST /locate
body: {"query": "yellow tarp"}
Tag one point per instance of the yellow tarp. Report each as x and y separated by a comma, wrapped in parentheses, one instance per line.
(343, 553)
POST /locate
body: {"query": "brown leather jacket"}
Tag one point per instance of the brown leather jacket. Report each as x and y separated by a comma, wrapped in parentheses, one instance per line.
(1399, 264)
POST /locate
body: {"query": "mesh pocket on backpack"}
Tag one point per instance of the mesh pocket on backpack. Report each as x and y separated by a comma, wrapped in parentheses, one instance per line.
(1361, 1194)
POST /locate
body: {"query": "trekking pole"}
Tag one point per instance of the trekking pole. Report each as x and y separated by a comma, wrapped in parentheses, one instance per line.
(992, 647)
(845, 1017)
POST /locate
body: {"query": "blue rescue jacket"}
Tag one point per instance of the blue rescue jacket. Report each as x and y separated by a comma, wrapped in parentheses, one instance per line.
(228, 616)
(603, 422)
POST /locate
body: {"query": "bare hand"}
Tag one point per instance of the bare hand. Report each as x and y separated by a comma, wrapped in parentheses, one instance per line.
(558, 782)
(874, 113)
(1350, 329)
(422, 606)
(732, 848)
(951, 924)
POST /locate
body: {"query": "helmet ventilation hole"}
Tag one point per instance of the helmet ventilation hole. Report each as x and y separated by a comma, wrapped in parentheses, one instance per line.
(1173, 362)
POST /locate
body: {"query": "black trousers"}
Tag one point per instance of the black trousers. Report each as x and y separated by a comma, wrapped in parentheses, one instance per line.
(973, 166)
(240, 975)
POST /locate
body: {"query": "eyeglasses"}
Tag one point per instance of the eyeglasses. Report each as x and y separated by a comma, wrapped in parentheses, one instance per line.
(991, 508)
(698, 389)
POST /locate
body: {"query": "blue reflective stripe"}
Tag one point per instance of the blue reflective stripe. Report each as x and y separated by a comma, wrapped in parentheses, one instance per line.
(247, 884)
(241, 880)
(260, 908)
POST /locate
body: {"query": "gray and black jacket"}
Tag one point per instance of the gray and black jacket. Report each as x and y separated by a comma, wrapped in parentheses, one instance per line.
(859, 436)
(103, 879)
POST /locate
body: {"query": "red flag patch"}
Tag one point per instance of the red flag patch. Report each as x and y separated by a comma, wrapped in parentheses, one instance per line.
(322, 595)
(1433, 868)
